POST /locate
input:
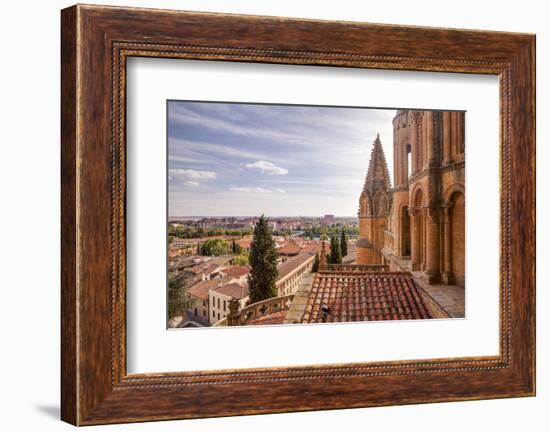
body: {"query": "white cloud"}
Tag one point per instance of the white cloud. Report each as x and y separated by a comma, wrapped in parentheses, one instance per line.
(182, 115)
(192, 173)
(280, 191)
(191, 184)
(251, 190)
(267, 168)
(202, 149)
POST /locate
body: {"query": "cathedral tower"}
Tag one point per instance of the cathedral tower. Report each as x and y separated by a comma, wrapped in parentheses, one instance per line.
(373, 208)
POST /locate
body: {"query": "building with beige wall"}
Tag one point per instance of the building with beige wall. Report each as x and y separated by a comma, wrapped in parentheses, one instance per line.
(220, 297)
(291, 273)
(199, 295)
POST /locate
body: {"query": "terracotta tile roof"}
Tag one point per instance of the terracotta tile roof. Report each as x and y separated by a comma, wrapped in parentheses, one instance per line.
(200, 289)
(244, 242)
(312, 247)
(204, 268)
(289, 249)
(292, 264)
(222, 260)
(236, 271)
(234, 290)
(276, 318)
(225, 279)
(353, 297)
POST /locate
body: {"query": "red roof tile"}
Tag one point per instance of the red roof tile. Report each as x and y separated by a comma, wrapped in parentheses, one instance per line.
(200, 290)
(289, 249)
(276, 318)
(234, 290)
(353, 297)
(244, 242)
(203, 268)
(236, 271)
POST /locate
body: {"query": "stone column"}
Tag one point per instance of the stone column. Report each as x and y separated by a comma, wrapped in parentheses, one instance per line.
(447, 138)
(414, 144)
(429, 129)
(432, 245)
(416, 241)
(460, 133)
(397, 168)
(447, 247)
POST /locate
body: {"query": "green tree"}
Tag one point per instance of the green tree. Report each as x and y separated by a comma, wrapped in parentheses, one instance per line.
(236, 248)
(335, 252)
(316, 262)
(241, 259)
(263, 263)
(344, 242)
(178, 301)
(215, 247)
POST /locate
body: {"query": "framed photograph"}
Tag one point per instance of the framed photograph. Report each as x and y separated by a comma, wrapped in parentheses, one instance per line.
(377, 259)
(330, 214)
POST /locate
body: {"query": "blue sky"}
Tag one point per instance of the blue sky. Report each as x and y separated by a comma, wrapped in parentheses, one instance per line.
(245, 159)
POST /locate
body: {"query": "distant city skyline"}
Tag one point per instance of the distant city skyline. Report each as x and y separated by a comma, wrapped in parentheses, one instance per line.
(239, 160)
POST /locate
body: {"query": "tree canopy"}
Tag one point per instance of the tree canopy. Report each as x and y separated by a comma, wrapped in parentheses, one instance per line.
(335, 252)
(215, 247)
(263, 263)
(344, 243)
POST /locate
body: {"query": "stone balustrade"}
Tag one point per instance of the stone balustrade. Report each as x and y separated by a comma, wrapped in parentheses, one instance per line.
(257, 310)
(342, 267)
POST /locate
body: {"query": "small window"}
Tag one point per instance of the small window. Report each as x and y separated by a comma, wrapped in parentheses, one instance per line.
(213, 314)
(224, 305)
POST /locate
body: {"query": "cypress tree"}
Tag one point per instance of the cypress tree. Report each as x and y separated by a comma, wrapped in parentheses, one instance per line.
(316, 263)
(335, 252)
(263, 263)
(344, 243)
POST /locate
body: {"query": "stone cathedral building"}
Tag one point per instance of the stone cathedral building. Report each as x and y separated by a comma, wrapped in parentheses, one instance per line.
(418, 224)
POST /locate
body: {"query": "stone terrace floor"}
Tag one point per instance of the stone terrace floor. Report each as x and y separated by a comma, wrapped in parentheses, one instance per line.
(450, 297)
